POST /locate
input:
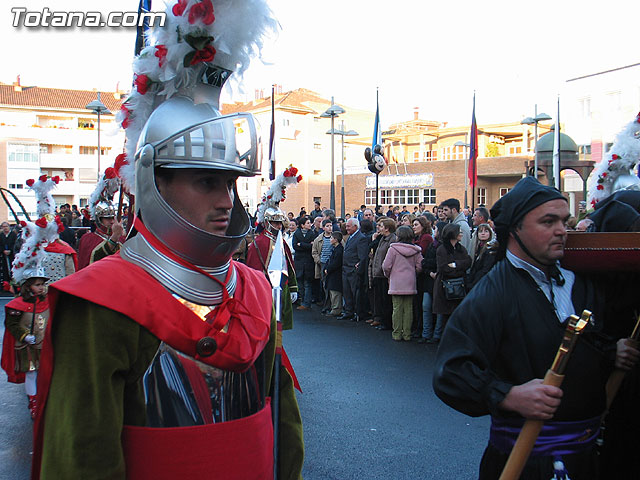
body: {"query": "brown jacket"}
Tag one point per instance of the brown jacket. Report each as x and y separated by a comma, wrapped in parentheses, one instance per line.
(381, 252)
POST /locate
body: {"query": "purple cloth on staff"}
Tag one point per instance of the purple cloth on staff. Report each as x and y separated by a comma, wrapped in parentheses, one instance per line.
(556, 438)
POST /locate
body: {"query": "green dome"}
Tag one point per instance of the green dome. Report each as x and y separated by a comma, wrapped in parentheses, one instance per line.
(545, 143)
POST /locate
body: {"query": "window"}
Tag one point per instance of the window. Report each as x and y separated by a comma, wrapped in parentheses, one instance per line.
(17, 186)
(413, 196)
(385, 197)
(317, 146)
(399, 196)
(427, 156)
(585, 107)
(23, 153)
(453, 153)
(317, 172)
(429, 196)
(369, 197)
(285, 122)
(89, 150)
(432, 155)
(504, 191)
(482, 196)
(584, 152)
(317, 199)
(514, 149)
(607, 147)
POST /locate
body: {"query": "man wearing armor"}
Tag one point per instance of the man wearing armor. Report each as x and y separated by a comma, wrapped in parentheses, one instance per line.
(106, 238)
(164, 369)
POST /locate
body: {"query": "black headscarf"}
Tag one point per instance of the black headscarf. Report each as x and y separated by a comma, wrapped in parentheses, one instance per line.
(507, 212)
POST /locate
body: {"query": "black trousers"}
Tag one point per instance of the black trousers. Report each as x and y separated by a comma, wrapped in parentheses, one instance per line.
(382, 305)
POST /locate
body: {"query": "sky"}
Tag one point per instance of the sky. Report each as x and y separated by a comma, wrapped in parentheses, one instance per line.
(418, 53)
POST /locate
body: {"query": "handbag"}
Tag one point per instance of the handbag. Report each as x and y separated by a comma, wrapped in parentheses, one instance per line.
(454, 288)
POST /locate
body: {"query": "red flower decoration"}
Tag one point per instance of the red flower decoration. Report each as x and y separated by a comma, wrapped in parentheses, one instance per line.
(161, 53)
(30, 182)
(202, 10)
(287, 173)
(41, 222)
(638, 118)
(110, 173)
(294, 171)
(6, 286)
(56, 179)
(23, 223)
(142, 83)
(179, 8)
(42, 178)
(615, 156)
(299, 178)
(204, 55)
(604, 174)
(600, 187)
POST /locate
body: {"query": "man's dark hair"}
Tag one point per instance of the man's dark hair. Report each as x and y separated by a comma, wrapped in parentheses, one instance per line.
(451, 203)
(337, 236)
(327, 221)
(362, 206)
(484, 213)
(64, 221)
(366, 226)
(330, 214)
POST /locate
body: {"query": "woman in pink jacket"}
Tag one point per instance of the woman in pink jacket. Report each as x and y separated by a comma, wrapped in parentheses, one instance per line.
(400, 266)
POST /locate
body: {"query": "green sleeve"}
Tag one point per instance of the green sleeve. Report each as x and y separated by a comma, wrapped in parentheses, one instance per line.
(12, 324)
(103, 250)
(99, 356)
(291, 444)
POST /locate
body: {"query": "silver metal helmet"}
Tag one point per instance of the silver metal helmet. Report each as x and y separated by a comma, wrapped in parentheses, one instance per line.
(626, 182)
(272, 215)
(189, 132)
(103, 209)
(33, 271)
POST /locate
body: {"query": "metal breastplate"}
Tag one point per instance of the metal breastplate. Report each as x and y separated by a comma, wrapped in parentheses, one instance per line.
(185, 283)
(36, 325)
(182, 392)
(54, 266)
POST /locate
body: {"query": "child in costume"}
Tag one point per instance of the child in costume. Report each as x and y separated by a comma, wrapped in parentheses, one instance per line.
(26, 315)
(25, 321)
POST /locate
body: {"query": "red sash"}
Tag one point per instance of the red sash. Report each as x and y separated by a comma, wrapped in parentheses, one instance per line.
(235, 450)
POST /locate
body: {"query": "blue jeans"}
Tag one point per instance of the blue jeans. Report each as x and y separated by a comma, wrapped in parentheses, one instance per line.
(427, 316)
(441, 321)
(305, 290)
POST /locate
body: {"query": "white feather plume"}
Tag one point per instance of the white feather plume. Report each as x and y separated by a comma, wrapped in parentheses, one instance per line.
(37, 235)
(238, 31)
(277, 191)
(620, 160)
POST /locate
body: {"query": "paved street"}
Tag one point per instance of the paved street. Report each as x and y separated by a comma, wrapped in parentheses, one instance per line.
(368, 409)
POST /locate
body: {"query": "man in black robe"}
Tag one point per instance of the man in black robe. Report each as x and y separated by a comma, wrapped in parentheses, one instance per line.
(503, 337)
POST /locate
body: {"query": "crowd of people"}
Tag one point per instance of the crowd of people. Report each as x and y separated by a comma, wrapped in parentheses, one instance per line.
(394, 271)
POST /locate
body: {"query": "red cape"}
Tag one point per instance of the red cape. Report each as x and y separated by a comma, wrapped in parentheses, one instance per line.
(121, 284)
(8, 360)
(262, 243)
(88, 242)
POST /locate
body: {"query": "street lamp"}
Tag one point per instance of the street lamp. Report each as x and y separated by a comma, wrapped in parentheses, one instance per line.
(332, 112)
(460, 143)
(534, 121)
(98, 108)
(342, 133)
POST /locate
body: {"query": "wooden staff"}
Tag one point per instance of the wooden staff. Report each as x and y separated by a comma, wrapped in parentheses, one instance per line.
(554, 376)
(617, 376)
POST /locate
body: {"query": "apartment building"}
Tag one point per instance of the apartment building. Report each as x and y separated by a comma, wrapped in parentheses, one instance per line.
(50, 131)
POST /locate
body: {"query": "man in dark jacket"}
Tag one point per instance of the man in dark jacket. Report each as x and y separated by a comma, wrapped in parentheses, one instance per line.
(304, 264)
(333, 275)
(503, 337)
(355, 251)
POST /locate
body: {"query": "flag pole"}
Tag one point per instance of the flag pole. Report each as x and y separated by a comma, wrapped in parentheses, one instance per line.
(556, 150)
(272, 139)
